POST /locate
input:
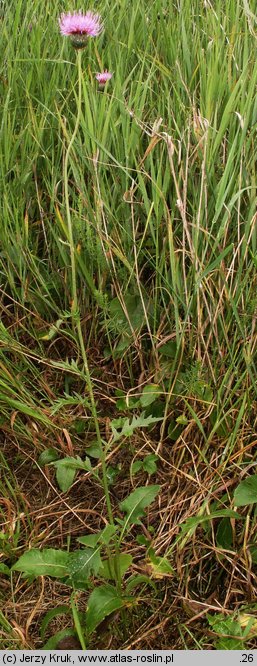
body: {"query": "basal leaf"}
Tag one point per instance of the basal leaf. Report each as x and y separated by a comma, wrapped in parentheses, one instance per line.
(46, 562)
(136, 466)
(74, 463)
(229, 644)
(169, 349)
(246, 492)
(102, 602)
(89, 540)
(133, 316)
(248, 623)
(224, 625)
(193, 522)
(94, 450)
(54, 612)
(107, 533)
(83, 563)
(66, 469)
(150, 393)
(149, 464)
(52, 642)
(104, 536)
(65, 476)
(139, 579)
(224, 536)
(108, 570)
(159, 567)
(48, 456)
(137, 501)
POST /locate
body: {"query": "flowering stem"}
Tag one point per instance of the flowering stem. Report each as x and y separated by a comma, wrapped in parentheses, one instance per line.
(66, 189)
(76, 320)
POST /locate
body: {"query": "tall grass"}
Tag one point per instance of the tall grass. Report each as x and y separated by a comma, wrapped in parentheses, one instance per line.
(162, 197)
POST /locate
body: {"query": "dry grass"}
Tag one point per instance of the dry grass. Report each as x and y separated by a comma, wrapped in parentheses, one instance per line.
(207, 578)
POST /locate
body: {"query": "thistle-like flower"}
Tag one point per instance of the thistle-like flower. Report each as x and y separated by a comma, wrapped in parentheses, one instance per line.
(103, 77)
(79, 27)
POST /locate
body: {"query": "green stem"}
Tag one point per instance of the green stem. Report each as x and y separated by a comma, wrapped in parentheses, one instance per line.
(75, 309)
(76, 620)
(66, 190)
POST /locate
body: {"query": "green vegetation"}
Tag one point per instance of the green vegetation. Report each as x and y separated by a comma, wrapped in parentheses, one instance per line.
(128, 366)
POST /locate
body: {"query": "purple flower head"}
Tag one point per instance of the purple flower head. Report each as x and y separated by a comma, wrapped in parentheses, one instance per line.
(103, 77)
(80, 26)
